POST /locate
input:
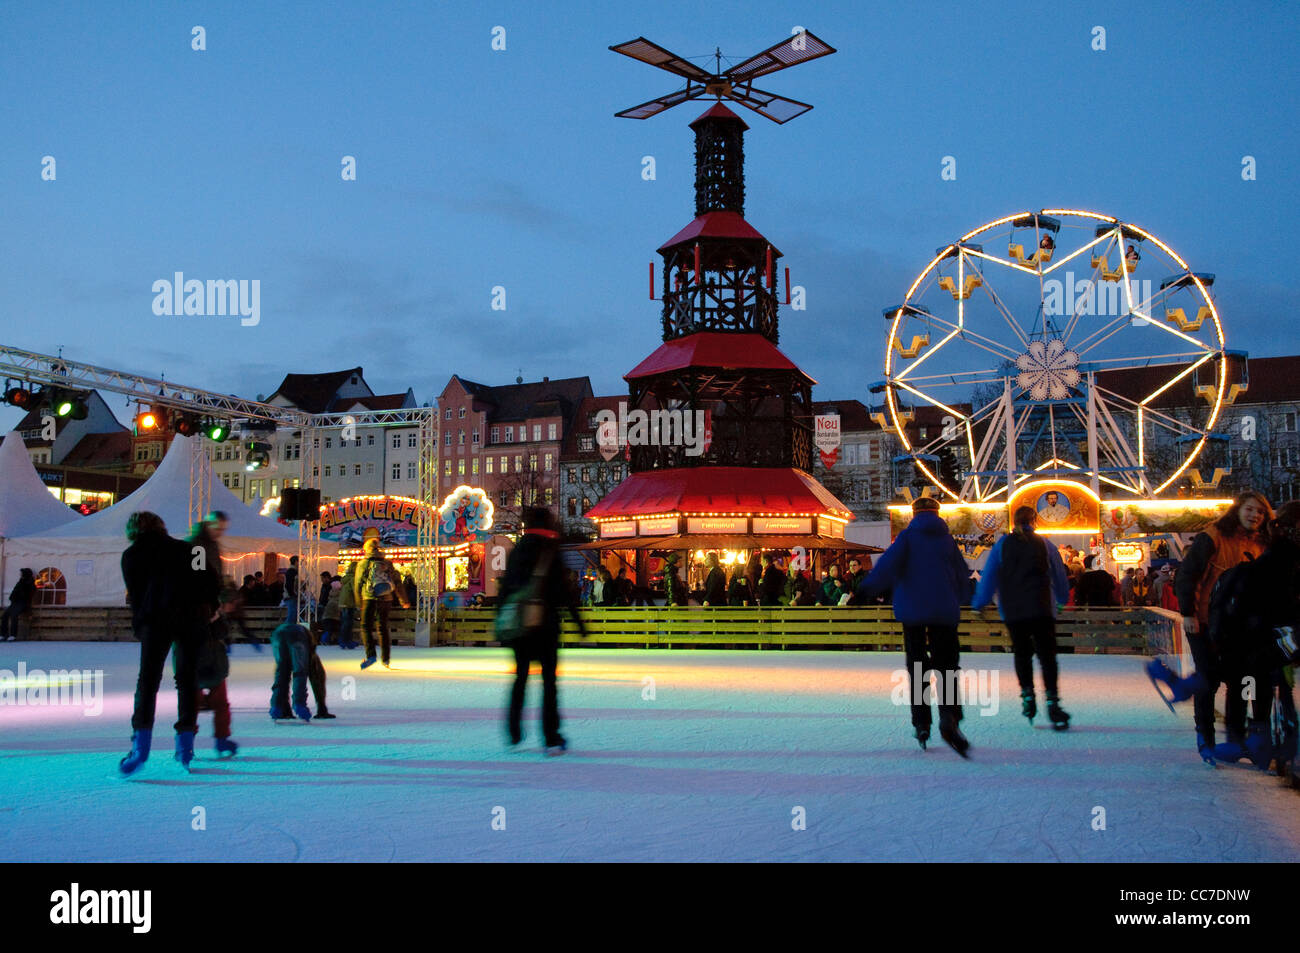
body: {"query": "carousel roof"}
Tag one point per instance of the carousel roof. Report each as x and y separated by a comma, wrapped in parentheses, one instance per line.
(727, 350)
(719, 490)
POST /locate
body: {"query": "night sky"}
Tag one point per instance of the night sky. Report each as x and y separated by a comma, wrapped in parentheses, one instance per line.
(479, 168)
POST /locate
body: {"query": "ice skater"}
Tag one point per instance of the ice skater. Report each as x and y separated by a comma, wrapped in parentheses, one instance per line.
(374, 587)
(296, 665)
(155, 568)
(534, 564)
(1028, 576)
(206, 584)
(1255, 616)
(927, 573)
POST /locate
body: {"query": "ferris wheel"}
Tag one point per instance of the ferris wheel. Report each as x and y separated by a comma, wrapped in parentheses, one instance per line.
(1059, 359)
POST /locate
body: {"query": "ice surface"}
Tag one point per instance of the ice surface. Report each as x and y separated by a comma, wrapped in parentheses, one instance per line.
(712, 767)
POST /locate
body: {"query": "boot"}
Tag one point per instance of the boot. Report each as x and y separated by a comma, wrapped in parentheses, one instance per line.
(185, 748)
(1259, 744)
(140, 742)
(226, 746)
(302, 711)
(951, 734)
(1180, 689)
(922, 736)
(1028, 705)
(1232, 750)
(1207, 748)
(1057, 715)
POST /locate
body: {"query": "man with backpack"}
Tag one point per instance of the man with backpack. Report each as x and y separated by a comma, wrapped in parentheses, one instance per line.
(375, 587)
(533, 590)
(1029, 578)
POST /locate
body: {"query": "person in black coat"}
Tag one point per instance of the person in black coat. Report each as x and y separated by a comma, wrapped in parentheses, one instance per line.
(715, 583)
(771, 587)
(537, 554)
(20, 600)
(156, 570)
(1096, 587)
(739, 593)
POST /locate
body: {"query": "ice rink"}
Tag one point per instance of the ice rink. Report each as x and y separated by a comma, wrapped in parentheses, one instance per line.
(682, 755)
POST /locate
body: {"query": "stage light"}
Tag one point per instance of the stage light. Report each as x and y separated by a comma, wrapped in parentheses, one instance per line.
(68, 405)
(148, 420)
(19, 397)
(185, 425)
(258, 456)
(217, 430)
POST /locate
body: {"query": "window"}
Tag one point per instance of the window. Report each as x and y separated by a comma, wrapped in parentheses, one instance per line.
(234, 480)
(397, 471)
(586, 474)
(1288, 422)
(850, 454)
(462, 413)
(447, 439)
(496, 434)
(519, 497)
(523, 432)
(572, 506)
(461, 439)
(356, 469)
(329, 442)
(446, 468)
(504, 498)
(411, 470)
(315, 471)
(504, 469)
(532, 495)
(549, 496)
(51, 588)
(537, 431)
(370, 469)
(487, 465)
(315, 442)
(586, 444)
(397, 441)
(550, 462)
(532, 463)
(474, 437)
(447, 415)
(288, 452)
(225, 480)
(592, 420)
(519, 464)
(370, 440)
(586, 504)
(474, 468)
(327, 469)
(550, 431)
(411, 439)
(510, 435)
(460, 468)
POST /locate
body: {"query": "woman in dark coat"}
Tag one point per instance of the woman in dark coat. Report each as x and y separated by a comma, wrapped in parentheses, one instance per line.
(156, 570)
(715, 584)
(20, 600)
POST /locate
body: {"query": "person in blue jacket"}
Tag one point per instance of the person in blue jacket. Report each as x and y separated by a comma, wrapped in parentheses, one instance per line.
(1028, 576)
(927, 572)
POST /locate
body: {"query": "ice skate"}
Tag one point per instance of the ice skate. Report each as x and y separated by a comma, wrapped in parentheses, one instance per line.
(951, 734)
(226, 747)
(139, 754)
(1259, 744)
(922, 737)
(1058, 716)
(302, 712)
(556, 749)
(1206, 748)
(1180, 689)
(185, 748)
(369, 662)
(1028, 706)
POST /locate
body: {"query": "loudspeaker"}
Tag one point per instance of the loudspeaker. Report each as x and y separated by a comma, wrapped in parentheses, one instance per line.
(300, 503)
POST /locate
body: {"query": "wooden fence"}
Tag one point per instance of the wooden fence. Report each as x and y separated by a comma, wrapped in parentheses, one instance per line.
(1125, 631)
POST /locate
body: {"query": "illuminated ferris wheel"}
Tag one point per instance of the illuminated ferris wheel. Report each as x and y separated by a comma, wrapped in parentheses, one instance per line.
(1058, 359)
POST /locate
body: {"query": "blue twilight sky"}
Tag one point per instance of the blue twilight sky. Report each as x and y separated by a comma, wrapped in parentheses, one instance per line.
(479, 168)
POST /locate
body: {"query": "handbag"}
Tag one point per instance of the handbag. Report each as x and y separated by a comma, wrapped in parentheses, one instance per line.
(524, 610)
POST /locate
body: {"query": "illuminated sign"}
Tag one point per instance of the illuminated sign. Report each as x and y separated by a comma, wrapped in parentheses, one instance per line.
(716, 524)
(1061, 506)
(663, 526)
(1126, 553)
(827, 527)
(615, 530)
(782, 524)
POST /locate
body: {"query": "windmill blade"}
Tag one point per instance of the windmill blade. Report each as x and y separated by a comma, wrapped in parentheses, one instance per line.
(654, 54)
(784, 54)
(655, 106)
(769, 105)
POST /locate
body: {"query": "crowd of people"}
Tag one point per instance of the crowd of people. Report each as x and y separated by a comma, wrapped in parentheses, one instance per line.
(1237, 590)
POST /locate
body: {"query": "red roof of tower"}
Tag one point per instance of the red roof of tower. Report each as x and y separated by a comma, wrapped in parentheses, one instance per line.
(716, 225)
(718, 111)
(725, 490)
(722, 349)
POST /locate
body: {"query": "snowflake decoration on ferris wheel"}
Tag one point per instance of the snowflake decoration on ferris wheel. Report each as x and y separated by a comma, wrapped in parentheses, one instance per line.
(1048, 371)
(1060, 344)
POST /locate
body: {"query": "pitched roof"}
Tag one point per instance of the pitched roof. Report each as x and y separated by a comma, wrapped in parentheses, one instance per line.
(544, 398)
(101, 451)
(314, 393)
(382, 401)
(720, 490)
(854, 415)
(721, 224)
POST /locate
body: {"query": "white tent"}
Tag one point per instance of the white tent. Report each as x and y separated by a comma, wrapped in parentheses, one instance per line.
(26, 505)
(88, 552)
